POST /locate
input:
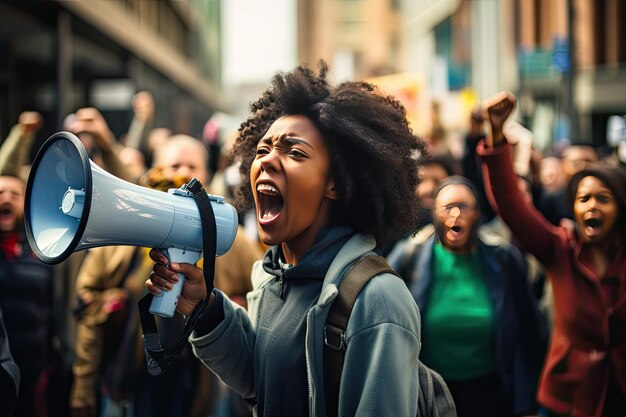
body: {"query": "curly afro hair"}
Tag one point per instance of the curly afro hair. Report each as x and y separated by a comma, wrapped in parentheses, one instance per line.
(374, 153)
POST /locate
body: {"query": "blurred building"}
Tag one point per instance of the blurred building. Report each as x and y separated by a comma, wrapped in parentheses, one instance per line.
(57, 56)
(458, 52)
(430, 51)
(572, 60)
(361, 38)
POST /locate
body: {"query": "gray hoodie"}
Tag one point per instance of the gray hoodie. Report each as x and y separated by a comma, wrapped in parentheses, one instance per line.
(380, 374)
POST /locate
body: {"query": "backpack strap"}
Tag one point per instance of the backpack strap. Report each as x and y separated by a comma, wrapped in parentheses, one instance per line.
(364, 269)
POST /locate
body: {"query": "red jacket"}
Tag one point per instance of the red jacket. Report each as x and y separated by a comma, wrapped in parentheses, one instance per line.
(589, 336)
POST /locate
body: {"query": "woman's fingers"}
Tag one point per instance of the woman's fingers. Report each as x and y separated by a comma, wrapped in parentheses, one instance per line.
(163, 281)
(158, 257)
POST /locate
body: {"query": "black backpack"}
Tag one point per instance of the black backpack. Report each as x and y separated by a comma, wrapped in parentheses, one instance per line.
(434, 399)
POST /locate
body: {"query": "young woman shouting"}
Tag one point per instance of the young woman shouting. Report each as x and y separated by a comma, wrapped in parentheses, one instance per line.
(585, 371)
(332, 172)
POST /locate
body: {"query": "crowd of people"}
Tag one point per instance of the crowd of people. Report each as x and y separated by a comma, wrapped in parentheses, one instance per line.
(510, 284)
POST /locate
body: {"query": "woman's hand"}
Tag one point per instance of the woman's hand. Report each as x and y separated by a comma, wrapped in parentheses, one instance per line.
(90, 121)
(498, 108)
(164, 275)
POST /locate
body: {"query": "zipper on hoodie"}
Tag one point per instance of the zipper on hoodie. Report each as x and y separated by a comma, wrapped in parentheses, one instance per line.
(282, 283)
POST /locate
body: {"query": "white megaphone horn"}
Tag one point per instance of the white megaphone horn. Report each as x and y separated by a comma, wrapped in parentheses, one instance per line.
(72, 205)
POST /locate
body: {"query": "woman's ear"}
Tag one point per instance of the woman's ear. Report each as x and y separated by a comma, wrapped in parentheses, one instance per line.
(331, 190)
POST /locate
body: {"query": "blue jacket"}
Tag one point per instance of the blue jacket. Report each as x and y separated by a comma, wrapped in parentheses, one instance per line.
(519, 338)
(380, 374)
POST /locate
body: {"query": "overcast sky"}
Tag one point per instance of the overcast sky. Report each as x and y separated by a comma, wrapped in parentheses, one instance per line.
(259, 37)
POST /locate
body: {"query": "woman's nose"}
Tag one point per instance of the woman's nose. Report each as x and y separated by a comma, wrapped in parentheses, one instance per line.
(269, 161)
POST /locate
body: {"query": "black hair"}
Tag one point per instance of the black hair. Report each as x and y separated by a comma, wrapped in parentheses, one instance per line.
(374, 153)
(444, 161)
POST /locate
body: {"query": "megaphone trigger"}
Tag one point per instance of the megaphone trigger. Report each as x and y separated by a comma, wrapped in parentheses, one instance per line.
(164, 304)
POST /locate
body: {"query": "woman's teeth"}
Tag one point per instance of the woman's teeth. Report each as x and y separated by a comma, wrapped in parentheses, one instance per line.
(267, 188)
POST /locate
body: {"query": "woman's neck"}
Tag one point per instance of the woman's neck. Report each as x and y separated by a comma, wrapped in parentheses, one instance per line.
(290, 256)
(599, 256)
(295, 248)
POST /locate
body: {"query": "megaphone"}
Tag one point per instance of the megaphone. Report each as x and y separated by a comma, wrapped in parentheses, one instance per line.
(72, 205)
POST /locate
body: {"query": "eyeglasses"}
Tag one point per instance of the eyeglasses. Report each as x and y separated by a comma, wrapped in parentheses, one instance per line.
(464, 208)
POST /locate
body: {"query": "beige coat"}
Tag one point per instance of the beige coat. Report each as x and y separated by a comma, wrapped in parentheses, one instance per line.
(99, 279)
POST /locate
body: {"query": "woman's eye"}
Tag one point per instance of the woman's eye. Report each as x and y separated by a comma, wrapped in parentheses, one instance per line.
(297, 153)
(262, 151)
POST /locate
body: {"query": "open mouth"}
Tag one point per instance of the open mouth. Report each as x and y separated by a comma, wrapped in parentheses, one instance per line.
(593, 223)
(5, 211)
(270, 202)
(456, 229)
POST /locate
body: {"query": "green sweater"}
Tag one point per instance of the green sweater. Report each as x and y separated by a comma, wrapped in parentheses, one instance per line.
(458, 326)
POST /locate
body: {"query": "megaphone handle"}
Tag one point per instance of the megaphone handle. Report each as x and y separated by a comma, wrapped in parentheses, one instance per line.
(164, 305)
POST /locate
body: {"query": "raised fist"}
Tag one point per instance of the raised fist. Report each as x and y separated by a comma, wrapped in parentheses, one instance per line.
(31, 121)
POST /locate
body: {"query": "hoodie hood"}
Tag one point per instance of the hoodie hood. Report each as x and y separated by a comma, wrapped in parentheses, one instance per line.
(314, 264)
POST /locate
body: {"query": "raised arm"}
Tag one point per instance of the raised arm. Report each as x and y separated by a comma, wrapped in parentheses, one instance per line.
(143, 112)
(90, 121)
(498, 109)
(15, 149)
(537, 236)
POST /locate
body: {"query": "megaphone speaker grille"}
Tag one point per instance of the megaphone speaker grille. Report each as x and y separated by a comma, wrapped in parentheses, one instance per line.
(58, 198)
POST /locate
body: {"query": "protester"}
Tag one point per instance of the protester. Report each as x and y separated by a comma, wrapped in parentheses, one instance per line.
(585, 369)
(101, 145)
(332, 172)
(9, 375)
(470, 162)
(110, 370)
(29, 304)
(143, 108)
(481, 330)
(554, 205)
(551, 175)
(432, 170)
(16, 147)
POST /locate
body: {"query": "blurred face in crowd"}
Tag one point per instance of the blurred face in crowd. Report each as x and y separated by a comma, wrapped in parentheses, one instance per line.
(11, 203)
(292, 184)
(133, 160)
(157, 138)
(551, 174)
(455, 216)
(576, 158)
(595, 210)
(183, 156)
(430, 176)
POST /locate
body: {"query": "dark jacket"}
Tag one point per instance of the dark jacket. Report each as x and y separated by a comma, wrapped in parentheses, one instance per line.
(9, 374)
(519, 338)
(27, 298)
